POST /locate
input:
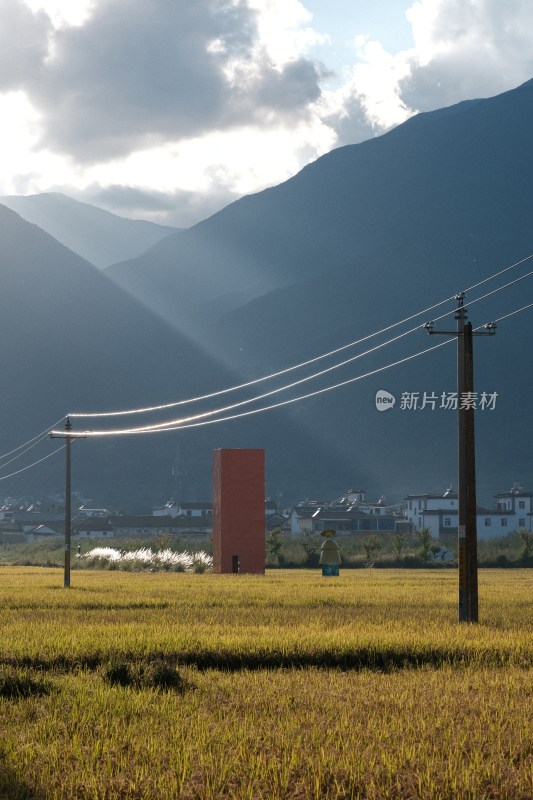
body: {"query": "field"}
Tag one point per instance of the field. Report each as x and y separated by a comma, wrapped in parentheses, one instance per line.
(289, 686)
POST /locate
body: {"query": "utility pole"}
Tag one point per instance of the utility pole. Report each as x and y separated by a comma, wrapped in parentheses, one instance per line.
(68, 498)
(68, 503)
(466, 459)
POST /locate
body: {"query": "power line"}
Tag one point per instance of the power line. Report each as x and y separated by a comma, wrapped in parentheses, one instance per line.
(512, 313)
(170, 426)
(271, 376)
(161, 429)
(165, 406)
(202, 415)
(23, 452)
(41, 435)
(183, 421)
(496, 274)
(5, 477)
(305, 396)
(284, 388)
(505, 286)
(270, 407)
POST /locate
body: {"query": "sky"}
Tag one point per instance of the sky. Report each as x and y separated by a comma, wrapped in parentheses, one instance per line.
(168, 110)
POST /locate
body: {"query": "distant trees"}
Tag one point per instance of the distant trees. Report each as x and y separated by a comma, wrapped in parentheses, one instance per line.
(274, 544)
(310, 544)
(526, 537)
(371, 545)
(398, 543)
(425, 545)
(408, 550)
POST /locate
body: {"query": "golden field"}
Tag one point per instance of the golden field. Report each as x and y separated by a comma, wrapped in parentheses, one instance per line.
(289, 685)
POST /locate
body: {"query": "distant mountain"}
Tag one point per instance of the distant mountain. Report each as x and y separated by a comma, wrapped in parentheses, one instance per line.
(364, 236)
(73, 340)
(99, 236)
(441, 198)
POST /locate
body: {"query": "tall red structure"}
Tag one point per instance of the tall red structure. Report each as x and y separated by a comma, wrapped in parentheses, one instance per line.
(239, 511)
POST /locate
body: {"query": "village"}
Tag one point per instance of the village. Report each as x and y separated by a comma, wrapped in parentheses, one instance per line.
(350, 515)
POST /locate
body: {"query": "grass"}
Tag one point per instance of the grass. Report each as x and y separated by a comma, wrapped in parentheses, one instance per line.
(15, 684)
(285, 686)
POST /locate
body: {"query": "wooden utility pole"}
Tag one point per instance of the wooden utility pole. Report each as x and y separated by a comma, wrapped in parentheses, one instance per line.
(68, 503)
(466, 460)
(68, 496)
(469, 611)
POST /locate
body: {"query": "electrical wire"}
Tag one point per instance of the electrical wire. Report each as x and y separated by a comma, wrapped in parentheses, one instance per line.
(255, 381)
(512, 313)
(41, 435)
(161, 429)
(221, 410)
(165, 406)
(497, 274)
(5, 477)
(213, 412)
(183, 421)
(191, 423)
(306, 396)
(23, 452)
(505, 286)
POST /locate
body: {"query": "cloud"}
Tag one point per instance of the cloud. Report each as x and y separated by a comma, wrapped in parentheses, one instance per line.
(348, 117)
(295, 86)
(179, 208)
(210, 99)
(140, 74)
(369, 102)
(24, 40)
(466, 49)
(463, 49)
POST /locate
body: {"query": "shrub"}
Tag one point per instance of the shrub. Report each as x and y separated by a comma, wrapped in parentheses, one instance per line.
(155, 673)
(145, 558)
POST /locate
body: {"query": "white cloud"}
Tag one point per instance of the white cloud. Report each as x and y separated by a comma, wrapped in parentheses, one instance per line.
(466, 49)
(369, 102)
(203, 101)
(201, 175)
(284, 29)
(462, 49)
(63, 12)
(141, 75)
(24, 38)
(214, 98)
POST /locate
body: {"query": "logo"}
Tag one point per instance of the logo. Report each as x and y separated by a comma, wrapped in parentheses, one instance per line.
(384, 400)
(447, 401)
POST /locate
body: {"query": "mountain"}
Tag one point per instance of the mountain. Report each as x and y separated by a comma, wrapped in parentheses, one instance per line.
(361, 238)
(100, 237)
(444, 196)
(73, 340)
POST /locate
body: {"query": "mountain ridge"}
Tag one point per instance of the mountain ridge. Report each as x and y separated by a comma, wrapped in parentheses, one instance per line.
(286, 233)
(97, 235)
(75, 341)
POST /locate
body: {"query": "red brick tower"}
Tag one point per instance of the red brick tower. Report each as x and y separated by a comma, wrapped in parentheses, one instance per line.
(239, 511)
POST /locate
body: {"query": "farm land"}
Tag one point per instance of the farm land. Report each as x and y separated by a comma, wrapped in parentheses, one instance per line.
(288, 685)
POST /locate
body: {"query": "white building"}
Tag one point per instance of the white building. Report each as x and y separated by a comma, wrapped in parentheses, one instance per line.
(199, 510)
(350, 512)
(93, 512)
(430, 510)
(439, 513)
(170, 509)
(173, 509)
(355, 500)
(94, 527)
(301, 516)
